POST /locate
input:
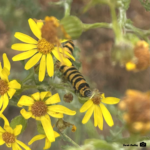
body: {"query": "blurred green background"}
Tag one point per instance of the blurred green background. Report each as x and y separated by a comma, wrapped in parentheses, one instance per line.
(95, 46)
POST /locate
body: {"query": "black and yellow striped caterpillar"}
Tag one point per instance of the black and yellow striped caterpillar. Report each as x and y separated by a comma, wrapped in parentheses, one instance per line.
(73, 75)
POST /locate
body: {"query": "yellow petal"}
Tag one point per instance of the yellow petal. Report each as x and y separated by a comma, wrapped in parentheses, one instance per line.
(42, 68)
(23, 47)
(50, 65)
(11, 92)
(1, 141)
(25, 101)
(39, 24)
(6, 123)
(25, 114)
(36, 96)
(95, 118)
(60, 57)
(45, 94)
(4, 74)
(23, 145)
(56, 134)
(5, 102)
(1, 101)
(1, 130)
(8, 145)
(63, 52)
(25, 38)
(33, 61)
(55, 114)
(53, 99)
(63, 40)
(0, 68)
(88, 115)
(9, 129)
(111, 100)
(14, 84)
(61, 109)
(46, 123)
(86, 105)
(47, 144)
(24, 55)
(34, 28)
(6, 62)
(107, 115)
(99, 117)
(130, 66)
(37, 137)
(17, 130)
(14, 146)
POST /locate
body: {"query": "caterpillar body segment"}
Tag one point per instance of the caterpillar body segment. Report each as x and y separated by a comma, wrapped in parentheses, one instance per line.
(73, 75)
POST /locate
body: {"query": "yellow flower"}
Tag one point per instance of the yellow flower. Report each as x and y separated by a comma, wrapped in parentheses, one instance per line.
(42, 136)
(6, 88)
(8, 136)
(40, 109)
(95, 105)
(40, 49)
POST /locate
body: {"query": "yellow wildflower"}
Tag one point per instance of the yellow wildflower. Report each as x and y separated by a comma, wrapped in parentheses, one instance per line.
(8, 136)
(40, 109)
(7, 89)
(42, 136)
(141, 52)
(40, 49)
(137, 107)
(94, 104)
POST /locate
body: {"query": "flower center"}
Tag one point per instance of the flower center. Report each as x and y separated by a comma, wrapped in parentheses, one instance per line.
(8, 137)
(44, 46)
(96, 99)
(3, 87)
(39, 109)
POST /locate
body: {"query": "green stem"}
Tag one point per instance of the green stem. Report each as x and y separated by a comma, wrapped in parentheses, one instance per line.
(116, 27)
(31, 74)
(96, 25)
(67, 7)
(69, 140)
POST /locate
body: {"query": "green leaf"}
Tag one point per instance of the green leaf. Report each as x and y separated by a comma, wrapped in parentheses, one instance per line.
(145, 4)
(40, 128)
(73, 26)
(17, 121)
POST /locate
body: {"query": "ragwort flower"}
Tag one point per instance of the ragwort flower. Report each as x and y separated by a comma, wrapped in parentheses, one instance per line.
(137, 111)
(40, 50)
(7, 89)
(42, 136)
(142, 54)
(94, 104)
(40, 109)
(8, 136)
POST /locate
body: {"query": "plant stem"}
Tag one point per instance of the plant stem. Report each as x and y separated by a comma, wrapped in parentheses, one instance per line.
(67, 7)
(69, 139)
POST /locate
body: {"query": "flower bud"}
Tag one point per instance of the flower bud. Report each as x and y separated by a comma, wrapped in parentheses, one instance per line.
(122, 53)
(73, 26)
(68, 98)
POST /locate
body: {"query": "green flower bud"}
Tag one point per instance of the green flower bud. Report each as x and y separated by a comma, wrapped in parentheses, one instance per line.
(73, 26)
(68, 98)
(122, 52)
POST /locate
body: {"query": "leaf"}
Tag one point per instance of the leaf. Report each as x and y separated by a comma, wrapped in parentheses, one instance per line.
(145, 4)
(17, 121)
(73, 26)
(40, 128)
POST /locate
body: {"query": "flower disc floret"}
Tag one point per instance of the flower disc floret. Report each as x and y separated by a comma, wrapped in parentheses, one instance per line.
(8, 137)
(39, 109)
(96, 99)
(3, 87)
(44, 46)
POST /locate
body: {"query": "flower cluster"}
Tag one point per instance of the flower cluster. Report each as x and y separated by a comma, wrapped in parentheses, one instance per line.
(137, 107)
(42, 105)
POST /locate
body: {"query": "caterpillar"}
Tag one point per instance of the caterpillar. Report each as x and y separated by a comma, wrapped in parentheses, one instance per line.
(73, 75)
